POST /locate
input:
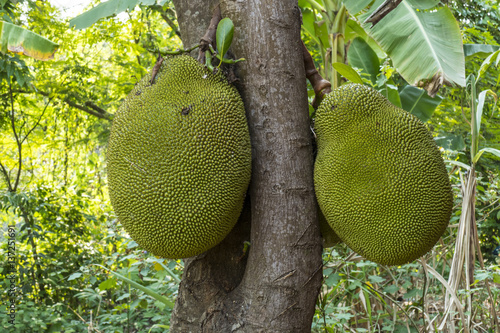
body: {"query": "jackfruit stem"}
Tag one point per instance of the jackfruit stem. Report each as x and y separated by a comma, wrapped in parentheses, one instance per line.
(320, 85)
(210, 35)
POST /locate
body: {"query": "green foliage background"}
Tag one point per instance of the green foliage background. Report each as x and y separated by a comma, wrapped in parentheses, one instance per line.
(61, 112)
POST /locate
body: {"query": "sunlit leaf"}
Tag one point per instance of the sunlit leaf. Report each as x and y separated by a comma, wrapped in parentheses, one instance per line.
(102, 10)
(418, 102)
(74, 276)
(19, 40)
(487, 63)
(108, 284)
(480, 107)
(422, 45)
(493, 151)
(224, 36)
(348, 72)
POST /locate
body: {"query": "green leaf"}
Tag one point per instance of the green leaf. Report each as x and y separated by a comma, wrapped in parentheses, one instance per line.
(487, 63)
(391, 289)
(19, 40)
(418, 102)
(375, 279)
(146, 290)
(333, 279)
(423, 4)
(362, 56)
(422, 45)
(451, 141)
(225, 31)
(493, 151)
(348, 72)
(496, 278)
(481, 50)
(480, 106)
(355, 6)
(308, 20)
(102, 10)
(74, 276)
(390, 91)
(108, 284)
(459, 164)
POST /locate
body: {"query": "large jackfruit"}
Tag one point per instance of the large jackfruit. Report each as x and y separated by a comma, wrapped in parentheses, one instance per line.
(379, 177)
(179, 159)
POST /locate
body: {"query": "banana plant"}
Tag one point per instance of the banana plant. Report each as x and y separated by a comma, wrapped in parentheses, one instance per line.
(18, 40)
(422, 40)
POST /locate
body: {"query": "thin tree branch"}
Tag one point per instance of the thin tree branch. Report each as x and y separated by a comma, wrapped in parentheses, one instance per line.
(38, 121)
(97, 111)
(7, 178)
(87, 107)
(210, 35)
(106, 115)
(167, 19)
(382, 11)
(19, 144)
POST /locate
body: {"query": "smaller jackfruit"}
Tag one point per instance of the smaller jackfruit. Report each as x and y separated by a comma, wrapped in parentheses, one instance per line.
(379, 177)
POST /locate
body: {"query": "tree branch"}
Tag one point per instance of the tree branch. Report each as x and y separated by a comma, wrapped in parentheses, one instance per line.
(321, 86)
(19, 144)
(382, 11)
(167, 19)
(210, 35)
(88, 107)
(105, 115)
(38, 121)
(7, 178)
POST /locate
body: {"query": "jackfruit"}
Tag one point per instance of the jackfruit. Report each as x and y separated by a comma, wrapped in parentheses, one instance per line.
(379, 177)
(179, 159)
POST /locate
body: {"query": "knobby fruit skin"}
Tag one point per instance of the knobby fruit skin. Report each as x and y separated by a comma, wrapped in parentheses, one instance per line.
(379, 177)
(179, 159)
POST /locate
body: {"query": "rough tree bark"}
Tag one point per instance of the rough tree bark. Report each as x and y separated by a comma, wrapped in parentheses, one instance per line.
(274, 289)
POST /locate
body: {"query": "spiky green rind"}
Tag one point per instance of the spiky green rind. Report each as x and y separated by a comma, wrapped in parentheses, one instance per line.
(379, 177)
(179, 160)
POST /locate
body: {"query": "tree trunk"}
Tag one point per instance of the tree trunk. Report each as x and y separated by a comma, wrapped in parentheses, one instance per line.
(275, 288)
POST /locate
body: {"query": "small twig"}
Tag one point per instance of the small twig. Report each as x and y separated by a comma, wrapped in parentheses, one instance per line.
(382, 11)
(7, 178)
(321, 86)
(38, 121)
(210, 35)
(18, 142)
(94, 329)
(156, 68)
(176, 52)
